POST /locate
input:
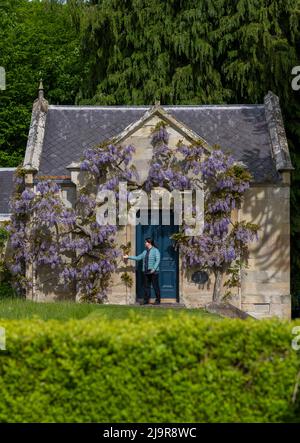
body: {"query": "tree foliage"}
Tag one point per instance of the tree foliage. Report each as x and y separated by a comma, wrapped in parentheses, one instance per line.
(37, 39)
(188, 51)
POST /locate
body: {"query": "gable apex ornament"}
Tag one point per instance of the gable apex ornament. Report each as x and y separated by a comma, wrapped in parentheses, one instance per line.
(163, 114)
(41, 90)
(41, 103)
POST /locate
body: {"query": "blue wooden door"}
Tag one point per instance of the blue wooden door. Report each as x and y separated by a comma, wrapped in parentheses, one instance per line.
(168, 268)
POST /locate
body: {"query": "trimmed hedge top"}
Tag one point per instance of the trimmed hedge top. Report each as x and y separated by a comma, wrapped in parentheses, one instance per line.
(183, 369)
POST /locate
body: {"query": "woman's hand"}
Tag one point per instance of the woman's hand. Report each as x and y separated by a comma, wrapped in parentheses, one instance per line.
(125, 257)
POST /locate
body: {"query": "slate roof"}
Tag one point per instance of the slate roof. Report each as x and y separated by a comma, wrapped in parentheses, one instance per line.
(242, 129)
(58, 135)
(6, 187)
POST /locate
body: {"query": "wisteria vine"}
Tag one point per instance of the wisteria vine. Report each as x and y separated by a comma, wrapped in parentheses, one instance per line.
(45, 232)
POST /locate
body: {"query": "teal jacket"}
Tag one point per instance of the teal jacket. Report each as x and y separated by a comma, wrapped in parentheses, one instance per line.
(153, 260)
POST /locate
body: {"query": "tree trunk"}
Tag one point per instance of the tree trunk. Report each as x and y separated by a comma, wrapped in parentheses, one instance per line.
(217, 287)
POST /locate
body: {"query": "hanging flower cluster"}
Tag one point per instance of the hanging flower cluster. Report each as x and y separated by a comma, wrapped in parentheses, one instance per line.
(165, 169)
(36, 226)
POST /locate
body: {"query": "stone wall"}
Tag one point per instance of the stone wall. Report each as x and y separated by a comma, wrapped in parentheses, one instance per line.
(266, 283)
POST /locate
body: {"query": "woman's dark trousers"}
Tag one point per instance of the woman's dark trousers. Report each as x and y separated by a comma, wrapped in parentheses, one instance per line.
(148, 279)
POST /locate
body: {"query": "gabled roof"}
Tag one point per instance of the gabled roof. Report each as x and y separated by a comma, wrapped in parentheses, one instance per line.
(6, 187)
(254, 134)
(168, 117)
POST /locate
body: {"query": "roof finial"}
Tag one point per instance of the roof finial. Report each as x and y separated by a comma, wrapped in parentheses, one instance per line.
(157, 102)
(41, 90)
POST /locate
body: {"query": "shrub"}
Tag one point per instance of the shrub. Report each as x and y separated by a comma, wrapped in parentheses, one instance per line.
(7, 291)
(140, 370)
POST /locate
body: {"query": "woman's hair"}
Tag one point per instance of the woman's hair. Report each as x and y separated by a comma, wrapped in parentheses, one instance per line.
(150, 240)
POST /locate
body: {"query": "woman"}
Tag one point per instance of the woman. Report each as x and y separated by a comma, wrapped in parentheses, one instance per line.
(151, 260)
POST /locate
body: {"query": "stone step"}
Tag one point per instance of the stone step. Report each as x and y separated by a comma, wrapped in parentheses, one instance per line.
(161, 305)
(225, 309)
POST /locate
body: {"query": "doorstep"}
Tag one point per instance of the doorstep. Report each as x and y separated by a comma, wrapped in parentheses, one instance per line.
(162, 304)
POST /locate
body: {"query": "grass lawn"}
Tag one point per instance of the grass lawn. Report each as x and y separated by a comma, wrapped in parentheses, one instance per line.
(63, 311)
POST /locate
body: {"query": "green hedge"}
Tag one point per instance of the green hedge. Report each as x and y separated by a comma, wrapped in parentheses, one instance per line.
(141, 370)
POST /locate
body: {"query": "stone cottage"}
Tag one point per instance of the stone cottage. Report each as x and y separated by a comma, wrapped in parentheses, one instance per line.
(254, 134)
